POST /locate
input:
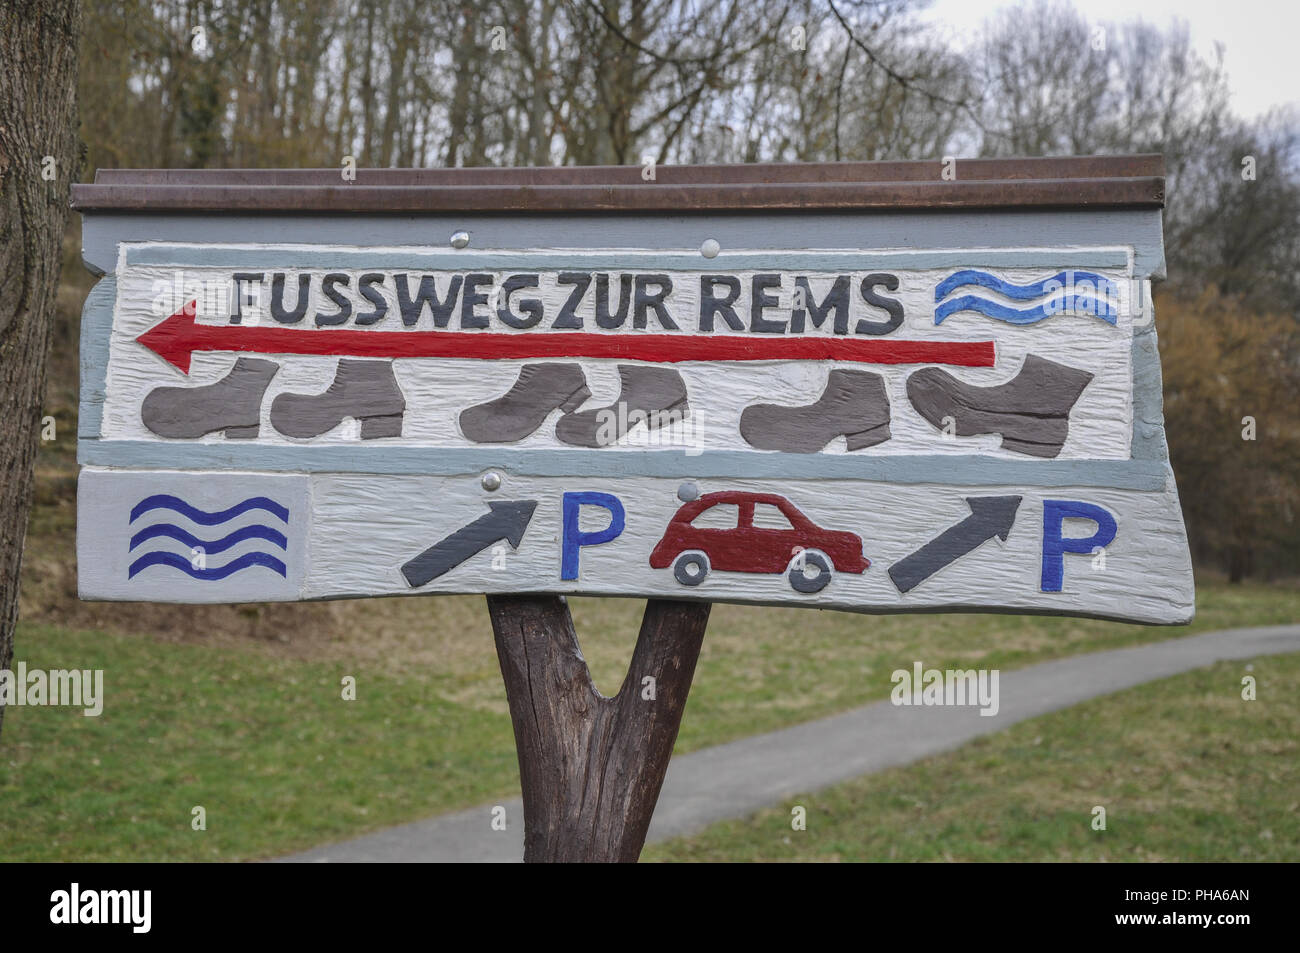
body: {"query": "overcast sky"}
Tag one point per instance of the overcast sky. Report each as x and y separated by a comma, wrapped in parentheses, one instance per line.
(1259, 37)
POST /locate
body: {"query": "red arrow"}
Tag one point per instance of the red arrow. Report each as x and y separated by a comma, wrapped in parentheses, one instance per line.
(176, 338)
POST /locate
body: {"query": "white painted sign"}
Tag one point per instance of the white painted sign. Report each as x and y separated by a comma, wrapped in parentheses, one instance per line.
(865, 428)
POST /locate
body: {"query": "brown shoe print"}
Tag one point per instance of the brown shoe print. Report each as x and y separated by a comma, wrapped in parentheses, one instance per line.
(539, 389)
(655, 396)
(362, 389)
(232, 404)
(854, 405)
(1031, 411)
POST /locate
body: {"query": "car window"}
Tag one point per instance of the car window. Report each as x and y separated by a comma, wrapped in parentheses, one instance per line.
(767, 516)
(718, 516)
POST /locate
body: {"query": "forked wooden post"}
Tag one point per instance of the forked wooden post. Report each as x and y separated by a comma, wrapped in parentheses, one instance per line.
(590, 766)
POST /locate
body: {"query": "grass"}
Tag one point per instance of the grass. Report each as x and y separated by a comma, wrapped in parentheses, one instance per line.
(264, 742)
(1186, 769)
(764, 669)
(267, 747)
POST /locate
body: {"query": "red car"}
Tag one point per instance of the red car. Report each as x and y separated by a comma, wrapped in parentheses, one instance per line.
(754, 532)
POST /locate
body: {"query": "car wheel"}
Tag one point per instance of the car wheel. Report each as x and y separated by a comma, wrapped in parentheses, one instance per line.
(809, 571)
(691, 567)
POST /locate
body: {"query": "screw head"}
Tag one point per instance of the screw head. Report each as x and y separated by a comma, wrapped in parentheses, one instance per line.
(710, 248)
(459, 239)
(687, 492)
(491, 481)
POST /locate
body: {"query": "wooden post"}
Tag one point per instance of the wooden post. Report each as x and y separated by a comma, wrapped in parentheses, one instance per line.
(591, 767)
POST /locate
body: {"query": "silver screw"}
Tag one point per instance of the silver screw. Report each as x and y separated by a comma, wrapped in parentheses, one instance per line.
(688, 491)
(491, 481)
(710, 248)
(459, 239)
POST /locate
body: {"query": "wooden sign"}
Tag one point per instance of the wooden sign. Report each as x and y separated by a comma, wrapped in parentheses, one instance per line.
(839, 386)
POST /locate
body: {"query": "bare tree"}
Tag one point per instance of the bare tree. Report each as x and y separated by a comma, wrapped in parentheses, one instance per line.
(1236, 224)
(39, 158)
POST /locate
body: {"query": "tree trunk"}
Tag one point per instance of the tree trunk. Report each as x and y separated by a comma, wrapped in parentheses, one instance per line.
(465, 70)
(38, 119)
(591, 767)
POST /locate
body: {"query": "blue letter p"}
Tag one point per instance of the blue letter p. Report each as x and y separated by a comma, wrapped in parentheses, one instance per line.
(574, 538)
(1055, 512)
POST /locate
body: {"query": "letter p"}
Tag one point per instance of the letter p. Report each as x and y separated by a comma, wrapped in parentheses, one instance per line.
(574, 538)
(1055, 546)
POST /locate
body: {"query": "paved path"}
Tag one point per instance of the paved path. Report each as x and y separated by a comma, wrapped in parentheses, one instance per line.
(736, 779)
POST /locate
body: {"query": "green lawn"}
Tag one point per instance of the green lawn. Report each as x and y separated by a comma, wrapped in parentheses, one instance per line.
(264, 742)
(1185, 768)
(267, 747)
(764, 669)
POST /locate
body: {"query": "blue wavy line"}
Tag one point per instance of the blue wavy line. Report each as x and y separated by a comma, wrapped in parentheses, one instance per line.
(254, 531)
(1088, 304)
(166, 501)
(207, 575)
(1061, 281)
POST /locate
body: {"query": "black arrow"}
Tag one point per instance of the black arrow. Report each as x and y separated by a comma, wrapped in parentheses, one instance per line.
(507, 521)
(989, 516)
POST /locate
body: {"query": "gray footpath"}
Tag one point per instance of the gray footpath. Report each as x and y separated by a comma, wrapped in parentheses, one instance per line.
(737, 779)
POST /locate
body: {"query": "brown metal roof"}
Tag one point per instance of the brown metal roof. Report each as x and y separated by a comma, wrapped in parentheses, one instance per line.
(1075, 182)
